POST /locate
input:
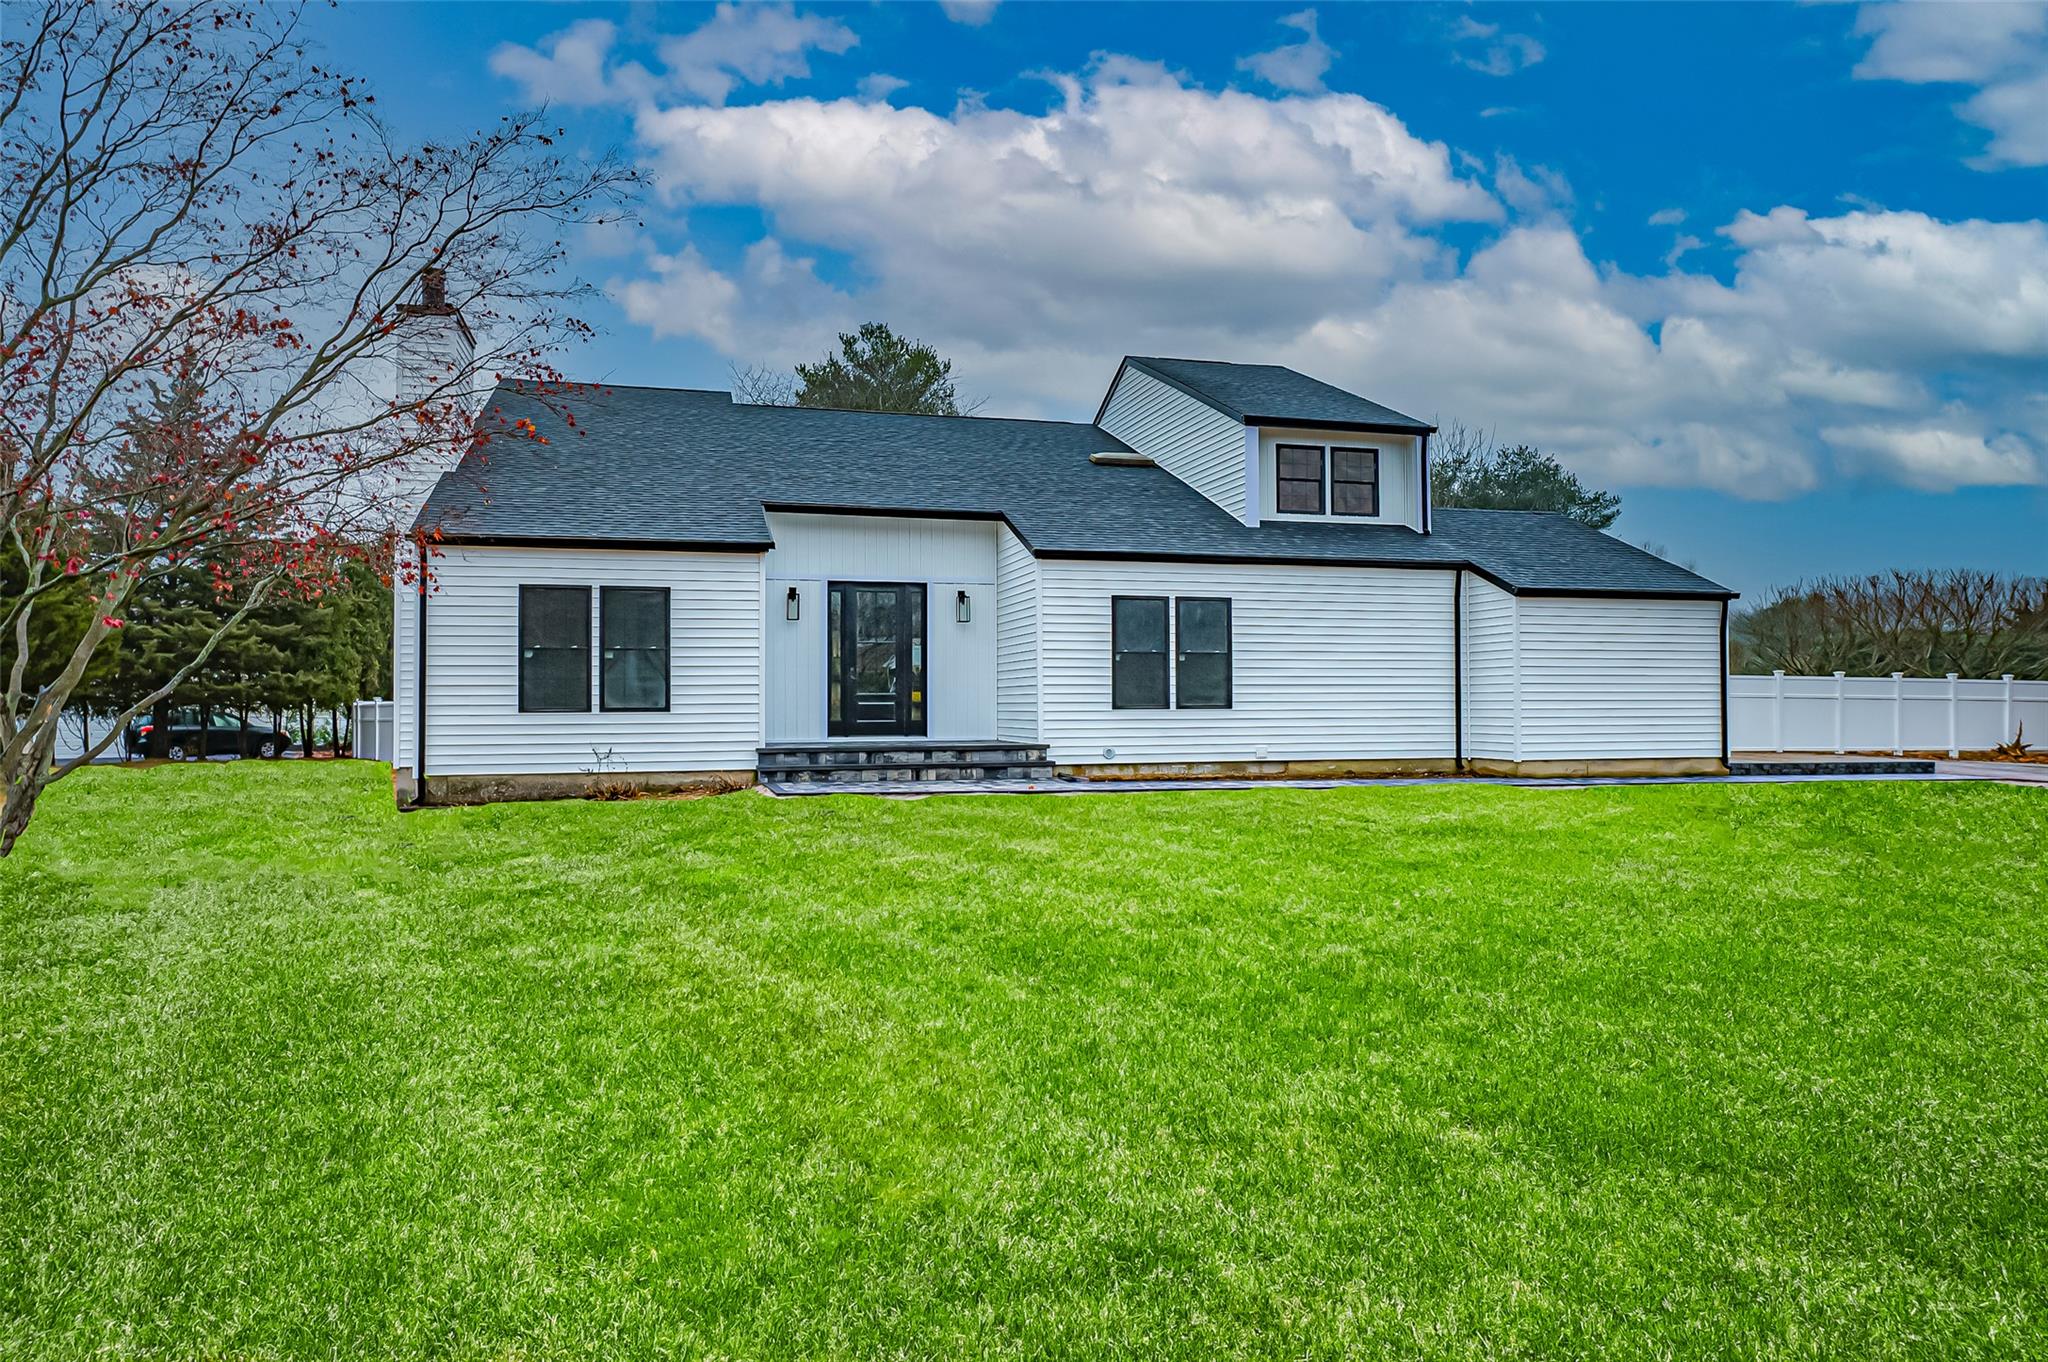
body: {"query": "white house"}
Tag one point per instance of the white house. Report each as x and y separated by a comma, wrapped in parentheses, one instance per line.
(1234, 569)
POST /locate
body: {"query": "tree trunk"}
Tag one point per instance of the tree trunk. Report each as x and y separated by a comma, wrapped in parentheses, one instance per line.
(24, 787)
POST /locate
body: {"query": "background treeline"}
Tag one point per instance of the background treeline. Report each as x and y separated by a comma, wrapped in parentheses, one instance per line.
(1976, 624)
(298, 661)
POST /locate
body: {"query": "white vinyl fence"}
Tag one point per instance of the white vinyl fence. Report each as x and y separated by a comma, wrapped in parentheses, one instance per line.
(374, 729)
(74, 731)
(1896, 713)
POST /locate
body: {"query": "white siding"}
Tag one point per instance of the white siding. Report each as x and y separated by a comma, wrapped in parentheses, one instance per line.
(1329, 664)
(1400, 475)
(1490, 706)
(474, 726)
(1016, 640)
(1619, 678)
(948, 556)
(404, 668)
(1190, 439)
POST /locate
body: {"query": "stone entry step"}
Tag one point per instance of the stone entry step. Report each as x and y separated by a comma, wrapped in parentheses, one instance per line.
(901, 760)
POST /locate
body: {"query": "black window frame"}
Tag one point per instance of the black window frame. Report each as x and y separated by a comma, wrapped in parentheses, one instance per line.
(526, 591)
(1165, 651)
(1281, 480)
(1228, 654)
(1373, 482)
(604, 645)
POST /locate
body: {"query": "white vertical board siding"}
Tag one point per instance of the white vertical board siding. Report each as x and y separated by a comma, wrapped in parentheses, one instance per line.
(1329, 664)
(1619, 678)
(474, 726)
(1190, 439)
(947, 556)
(1490, 709)
(1016, 640)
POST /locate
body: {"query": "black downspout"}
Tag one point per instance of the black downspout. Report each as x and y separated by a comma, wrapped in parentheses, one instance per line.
(419, 762)
(1458, 669)
(1725, 753)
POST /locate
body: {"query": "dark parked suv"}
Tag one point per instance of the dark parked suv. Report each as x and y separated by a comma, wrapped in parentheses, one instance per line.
(225, 736)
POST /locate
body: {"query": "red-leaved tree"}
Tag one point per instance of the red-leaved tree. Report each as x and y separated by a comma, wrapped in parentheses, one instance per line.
(191, 200)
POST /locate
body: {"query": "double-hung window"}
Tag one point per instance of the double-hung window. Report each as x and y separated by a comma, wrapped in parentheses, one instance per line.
(1354, 481)
(1169, 652)
(554, 649)
(632, 671)
(1299, 469)
(1202, 662)
(1137, 645)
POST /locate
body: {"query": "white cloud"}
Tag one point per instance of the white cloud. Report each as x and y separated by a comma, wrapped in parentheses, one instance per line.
(773, 305)
(750, 44)
(1134, 197)
(1142, 214)
(573, 67)
(739, 45)
(1667, 217)
(1486, 49)
(973, 13)
(1685, 245)
(1299, 67)
(877, 87)
(1936, 458)
(1532, 192)
(2000, 48)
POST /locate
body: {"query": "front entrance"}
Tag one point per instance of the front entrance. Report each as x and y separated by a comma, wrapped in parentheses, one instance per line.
(875, 660)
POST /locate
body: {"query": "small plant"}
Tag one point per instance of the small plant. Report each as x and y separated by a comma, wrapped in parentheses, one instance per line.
(2017, 749)
(606, 780)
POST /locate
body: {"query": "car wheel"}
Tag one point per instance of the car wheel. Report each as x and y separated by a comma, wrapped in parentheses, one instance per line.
(177, 752)
(267, 748)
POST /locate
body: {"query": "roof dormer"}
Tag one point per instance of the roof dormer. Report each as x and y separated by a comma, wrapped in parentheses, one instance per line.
(1221, 428)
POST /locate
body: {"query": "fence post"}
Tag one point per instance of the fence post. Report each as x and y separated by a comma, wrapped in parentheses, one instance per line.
(1898, 713)
(2005, 725)
(1838, 711)
(1952, 716)
(1778, 709)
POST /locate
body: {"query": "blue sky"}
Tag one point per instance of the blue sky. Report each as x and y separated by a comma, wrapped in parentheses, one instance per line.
(1778, 274)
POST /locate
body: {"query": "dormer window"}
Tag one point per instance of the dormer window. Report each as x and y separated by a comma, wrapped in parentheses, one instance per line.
(1326, 480)
(1354, 481)
(1300, 470)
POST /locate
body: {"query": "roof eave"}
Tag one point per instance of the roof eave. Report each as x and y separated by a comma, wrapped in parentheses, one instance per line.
(1364, 427)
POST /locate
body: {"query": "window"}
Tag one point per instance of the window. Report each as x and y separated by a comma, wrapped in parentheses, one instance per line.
(632, 631)
(1354, 481)
(554, 648)
(1137, 628)
(1203, 671)
(1300, 488)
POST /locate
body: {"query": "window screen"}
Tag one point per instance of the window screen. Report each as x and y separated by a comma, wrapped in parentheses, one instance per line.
(554, 648)
(1138, 652)
(1203, 661)
(1355, 481)
(633, 647)
(1300, 487)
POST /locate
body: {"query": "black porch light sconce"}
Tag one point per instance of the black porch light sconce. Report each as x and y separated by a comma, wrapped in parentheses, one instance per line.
(792, 605)
(963, 608)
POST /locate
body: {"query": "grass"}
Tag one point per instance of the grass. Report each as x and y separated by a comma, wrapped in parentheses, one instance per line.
(1425, 1072)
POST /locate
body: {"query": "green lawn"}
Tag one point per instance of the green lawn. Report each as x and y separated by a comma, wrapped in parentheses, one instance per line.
(1438, 1072)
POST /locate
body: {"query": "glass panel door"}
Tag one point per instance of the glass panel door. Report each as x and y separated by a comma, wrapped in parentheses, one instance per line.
(875, 682)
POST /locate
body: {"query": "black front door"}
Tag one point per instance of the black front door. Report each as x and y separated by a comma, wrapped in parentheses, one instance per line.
(875, 662)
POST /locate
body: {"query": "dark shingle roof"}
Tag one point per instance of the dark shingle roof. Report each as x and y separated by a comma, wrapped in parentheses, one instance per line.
(684, 467)
(1270, 395)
